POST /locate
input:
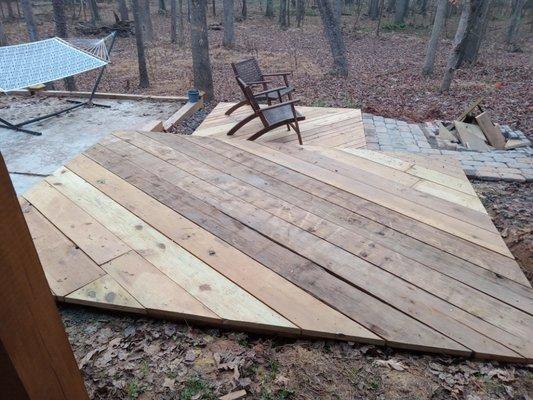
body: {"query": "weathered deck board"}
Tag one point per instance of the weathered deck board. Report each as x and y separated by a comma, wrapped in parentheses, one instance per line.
(332, 127)
(286, 239)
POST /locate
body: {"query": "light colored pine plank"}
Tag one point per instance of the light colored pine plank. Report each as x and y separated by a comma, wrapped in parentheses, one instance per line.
(105, 292)
(96, 241)
(200, 280)
(155, 291)
(286, 298)
(66, 267)
(451, 195)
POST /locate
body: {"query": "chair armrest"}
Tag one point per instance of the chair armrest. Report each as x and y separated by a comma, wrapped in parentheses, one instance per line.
(280, 104)
(276, 89)
(258, 83)
(277, 74)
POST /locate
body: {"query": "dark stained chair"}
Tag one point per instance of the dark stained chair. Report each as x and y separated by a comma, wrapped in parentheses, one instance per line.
(272, 116)
(250, 72)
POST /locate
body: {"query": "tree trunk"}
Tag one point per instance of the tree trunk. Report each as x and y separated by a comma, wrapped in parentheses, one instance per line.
(162, 6)
(173, 20)
(60, 20)
(200, 48)
(123, 10)
(283, 14)
(333, 34)
(143, 71)
(459, 44)
(514, 22)
(423, 7)
(228, 40)
(269, 10)
(244, 12)
(95, 14)
(181, 25)
(3, 37)
(10, 13)
(475, 31)
(300, 12)
(213, 6)
(402, 6)
(30, 22)
(391, 5)
(339, 5)
(381, 7)
(438, 24)
(146, 16)
(373, 9)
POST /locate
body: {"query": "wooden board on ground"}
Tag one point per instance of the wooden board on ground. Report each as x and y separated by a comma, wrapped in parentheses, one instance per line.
(330, 127)
(292, 240)
(471, 136)
(492, 133)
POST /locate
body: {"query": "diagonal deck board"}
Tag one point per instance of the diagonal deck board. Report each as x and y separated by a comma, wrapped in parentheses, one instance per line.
(330, 127)
(289, 240)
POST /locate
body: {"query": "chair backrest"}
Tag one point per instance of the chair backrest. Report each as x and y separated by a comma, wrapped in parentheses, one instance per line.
(248, 70)
(248, 94)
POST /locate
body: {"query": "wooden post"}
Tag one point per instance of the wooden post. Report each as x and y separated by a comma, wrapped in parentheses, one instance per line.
(36, 361)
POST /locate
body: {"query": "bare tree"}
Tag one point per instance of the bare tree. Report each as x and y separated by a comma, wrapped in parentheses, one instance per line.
(95, 14)
(162, 6)
(438, 24)
(203, 79)
(334, 35)
(10, 13)
(213, 6)
(269, 9)
(373, 9)
(181, 25)
(339, 5)
(282, 18)
(475, 32)
(514, 22)
(229, 24)
(143, 71)
(391, 5)
(60, 20)
(123, 10)
(3, 37)
(300, 12)
(30, 21)
(244, 10)
(173, 21)
(381, 8)
(459, 44)
(146, 16)
(402, 6)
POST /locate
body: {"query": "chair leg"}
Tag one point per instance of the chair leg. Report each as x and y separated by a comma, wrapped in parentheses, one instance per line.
(240, 124)
(297, 129)
(289, 127)
(236, 106)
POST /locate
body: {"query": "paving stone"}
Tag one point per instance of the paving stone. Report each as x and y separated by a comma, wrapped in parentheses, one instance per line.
(495, 164)
(487, 175)
(512, 177)
(470, 171)
(372, 146)
(380, 128)
(430, 151)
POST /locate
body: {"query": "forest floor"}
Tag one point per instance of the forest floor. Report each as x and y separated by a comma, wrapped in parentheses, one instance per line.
(384, 72)
(124, 357)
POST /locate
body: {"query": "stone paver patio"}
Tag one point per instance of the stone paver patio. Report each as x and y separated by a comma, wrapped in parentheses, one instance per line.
(393, 135)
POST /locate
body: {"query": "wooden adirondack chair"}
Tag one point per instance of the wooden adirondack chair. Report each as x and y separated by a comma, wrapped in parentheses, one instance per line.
(250, 72)
(273, 116)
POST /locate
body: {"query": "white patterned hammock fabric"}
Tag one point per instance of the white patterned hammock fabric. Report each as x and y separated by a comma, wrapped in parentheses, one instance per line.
(30, 64)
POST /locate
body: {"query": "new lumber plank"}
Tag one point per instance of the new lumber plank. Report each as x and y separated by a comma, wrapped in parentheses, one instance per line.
(372, 218)
(66, 267)
(95, 240)
(286, 298)
(155, 291)
(106, 293)
(492, 133)
(438, 314)
(397, 328)
(460, 228)
(478, 304)
(519, 297)
(200, 280)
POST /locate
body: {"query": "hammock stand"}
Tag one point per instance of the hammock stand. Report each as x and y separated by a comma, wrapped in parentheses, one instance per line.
(77, 104)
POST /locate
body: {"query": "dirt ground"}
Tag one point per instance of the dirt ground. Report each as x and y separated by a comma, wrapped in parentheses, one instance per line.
(125, 357)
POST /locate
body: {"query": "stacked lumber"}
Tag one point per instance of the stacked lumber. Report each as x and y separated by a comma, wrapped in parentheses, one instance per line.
(476, 131)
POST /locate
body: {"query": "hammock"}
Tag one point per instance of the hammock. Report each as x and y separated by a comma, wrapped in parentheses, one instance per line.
(31, 64)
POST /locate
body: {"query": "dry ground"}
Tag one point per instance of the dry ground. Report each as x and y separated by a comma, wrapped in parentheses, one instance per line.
(125, 357)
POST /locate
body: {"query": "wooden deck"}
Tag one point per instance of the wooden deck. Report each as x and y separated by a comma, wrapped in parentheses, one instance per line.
(331, 127)
(347, 244)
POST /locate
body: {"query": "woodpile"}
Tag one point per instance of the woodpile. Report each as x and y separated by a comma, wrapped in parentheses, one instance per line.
(123, 28)
(474, 130)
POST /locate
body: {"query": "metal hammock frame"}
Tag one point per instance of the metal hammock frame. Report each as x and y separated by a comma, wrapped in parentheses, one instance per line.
(98, 49)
